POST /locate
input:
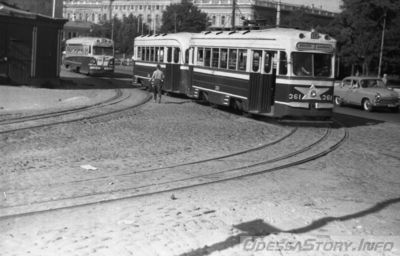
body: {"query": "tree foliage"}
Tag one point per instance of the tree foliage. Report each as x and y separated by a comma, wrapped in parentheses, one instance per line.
(125, 31)
(358, 29)
(183, 17)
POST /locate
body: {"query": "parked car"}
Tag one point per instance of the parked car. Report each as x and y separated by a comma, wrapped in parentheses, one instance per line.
(368, 92)
(394, 84)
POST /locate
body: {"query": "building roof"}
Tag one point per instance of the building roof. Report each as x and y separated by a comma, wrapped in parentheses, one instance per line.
(9, 11)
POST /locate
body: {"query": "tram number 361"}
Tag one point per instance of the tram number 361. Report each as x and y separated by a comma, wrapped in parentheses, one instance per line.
(299, 96)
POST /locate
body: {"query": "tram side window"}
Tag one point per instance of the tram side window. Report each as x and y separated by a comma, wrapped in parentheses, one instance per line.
(283, 63)
(200, 56)
(232, 59)
(224, 58)
(169, 54)
(215, 58)
(143, 53)
(256, 60)
(161, 55)
(139, 53)
(207, 58)
(268, 58)
(157, 51)
(147, 53)
(177, 54)
(242, 59)
(152, 54)
(187, 56)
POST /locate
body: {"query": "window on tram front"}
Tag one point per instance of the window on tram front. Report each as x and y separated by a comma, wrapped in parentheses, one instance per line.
(312, 64)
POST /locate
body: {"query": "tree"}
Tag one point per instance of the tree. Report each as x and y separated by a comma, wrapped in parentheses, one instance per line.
(183, 17)
(125, 31)
(358, 30)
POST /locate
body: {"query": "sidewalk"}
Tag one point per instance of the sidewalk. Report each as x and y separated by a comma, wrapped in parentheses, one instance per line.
(71, 93)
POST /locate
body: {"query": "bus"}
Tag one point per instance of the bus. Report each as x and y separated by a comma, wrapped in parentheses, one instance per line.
(277, 72)
(171, 51)
(89, 55)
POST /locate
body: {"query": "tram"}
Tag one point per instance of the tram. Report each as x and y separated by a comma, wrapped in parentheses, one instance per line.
(278, 72)
(89, 55)
(171, 51)
(274, 72)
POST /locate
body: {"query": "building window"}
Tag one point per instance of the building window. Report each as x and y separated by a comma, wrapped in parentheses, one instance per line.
(149, 18)
(223, 21)
(214, 20)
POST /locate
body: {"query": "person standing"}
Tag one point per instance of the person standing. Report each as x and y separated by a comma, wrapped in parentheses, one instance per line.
(157, 79)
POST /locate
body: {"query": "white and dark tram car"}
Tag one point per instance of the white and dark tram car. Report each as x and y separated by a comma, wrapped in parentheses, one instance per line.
(171, 51)
(275, 72)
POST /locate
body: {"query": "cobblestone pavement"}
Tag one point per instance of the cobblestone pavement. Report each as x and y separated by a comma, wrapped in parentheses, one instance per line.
(350, 194)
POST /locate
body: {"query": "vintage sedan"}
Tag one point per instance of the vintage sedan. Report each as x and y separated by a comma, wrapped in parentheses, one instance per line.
(368, 92)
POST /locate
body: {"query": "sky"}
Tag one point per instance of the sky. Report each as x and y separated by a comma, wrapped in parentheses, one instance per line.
(329, 5)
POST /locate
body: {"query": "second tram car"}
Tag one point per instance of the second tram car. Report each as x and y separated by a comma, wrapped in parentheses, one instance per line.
(276, 72)
(89, 55)
(171, 51)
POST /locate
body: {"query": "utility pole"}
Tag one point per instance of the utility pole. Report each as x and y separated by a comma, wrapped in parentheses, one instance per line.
(112, 24)
(233, 14)
(382, 43)
(278, 14)
(54, 9)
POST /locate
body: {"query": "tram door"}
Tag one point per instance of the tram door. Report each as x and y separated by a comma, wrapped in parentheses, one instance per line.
(172, 70)
(262, 82)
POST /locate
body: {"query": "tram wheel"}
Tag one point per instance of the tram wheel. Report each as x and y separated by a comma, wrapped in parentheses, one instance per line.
(237, 106)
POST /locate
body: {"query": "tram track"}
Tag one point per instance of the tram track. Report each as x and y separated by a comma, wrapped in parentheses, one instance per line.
(66, 116)
(135, 183)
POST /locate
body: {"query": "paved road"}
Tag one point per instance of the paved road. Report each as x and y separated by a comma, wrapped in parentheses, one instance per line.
(378, 115)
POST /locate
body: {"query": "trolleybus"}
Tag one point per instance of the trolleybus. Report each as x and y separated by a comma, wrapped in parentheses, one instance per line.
(171, 51)
(89, 55)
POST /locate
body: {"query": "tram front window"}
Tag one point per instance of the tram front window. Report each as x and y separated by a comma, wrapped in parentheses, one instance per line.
(311, 64)
(98, 50)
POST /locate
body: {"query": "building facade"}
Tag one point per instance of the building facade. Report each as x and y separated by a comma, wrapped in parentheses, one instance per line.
(45, 7)
(150, 11)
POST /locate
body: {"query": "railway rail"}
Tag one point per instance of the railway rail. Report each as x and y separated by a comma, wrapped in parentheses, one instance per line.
(297, 147)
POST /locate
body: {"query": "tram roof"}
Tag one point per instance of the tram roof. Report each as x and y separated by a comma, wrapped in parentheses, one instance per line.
(183, 38)
(278, 36)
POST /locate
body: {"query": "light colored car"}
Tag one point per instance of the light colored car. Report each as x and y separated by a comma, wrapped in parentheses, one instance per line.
(367, 92)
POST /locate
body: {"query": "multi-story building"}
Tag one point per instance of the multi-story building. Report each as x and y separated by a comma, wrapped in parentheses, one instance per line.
(45, 7)
(150, 11)
(97, 11)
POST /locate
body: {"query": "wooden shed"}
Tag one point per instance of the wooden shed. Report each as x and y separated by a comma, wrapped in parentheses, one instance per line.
(30, 46)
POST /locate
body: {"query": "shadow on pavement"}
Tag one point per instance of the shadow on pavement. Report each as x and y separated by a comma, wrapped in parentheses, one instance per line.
(354, 121)
(259, 228)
